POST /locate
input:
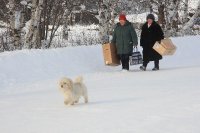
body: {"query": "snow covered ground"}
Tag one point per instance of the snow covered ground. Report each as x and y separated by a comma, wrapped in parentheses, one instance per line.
(165, 101)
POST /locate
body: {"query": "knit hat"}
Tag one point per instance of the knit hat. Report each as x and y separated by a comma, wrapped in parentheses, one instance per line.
(151, 16)
(122, 17)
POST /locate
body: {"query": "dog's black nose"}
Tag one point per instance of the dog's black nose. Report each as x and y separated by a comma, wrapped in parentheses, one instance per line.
(61, 86)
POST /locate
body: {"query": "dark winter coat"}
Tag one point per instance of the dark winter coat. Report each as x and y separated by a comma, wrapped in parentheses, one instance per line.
(149, 36)
(124, 37)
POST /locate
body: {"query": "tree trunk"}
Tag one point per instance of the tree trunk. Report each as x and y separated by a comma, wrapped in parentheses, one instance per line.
(185, 14)
(36, 41)
(112, 22)
(161, 15)
(65, 24)
(33, 36)
(16, 22)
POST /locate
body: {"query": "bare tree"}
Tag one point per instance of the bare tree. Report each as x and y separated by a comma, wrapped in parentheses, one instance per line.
(52, 18)
(69, 7)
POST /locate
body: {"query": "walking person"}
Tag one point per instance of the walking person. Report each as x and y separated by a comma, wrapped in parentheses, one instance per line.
(124, 37)
(151, 32)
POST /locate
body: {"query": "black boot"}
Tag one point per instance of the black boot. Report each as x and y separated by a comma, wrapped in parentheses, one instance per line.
(156, 65)
(155, 69)
(143, 67)
(125, 61)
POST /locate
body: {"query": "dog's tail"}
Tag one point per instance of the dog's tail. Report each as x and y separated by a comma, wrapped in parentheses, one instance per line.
(79, 79)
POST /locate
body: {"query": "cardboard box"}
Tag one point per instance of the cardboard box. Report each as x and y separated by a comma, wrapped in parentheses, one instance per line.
(166, 47)
(110, 55)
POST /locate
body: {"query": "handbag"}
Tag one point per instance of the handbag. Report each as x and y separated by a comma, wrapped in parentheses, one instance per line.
(136, 57)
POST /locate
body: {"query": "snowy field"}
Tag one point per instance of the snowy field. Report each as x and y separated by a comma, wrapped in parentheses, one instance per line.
(165, 101)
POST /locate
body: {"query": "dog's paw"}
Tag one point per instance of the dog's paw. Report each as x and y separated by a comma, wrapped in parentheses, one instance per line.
(66, 102)
(86, 101)
(71, 104)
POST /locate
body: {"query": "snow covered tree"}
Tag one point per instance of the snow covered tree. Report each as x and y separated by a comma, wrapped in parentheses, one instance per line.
(16, 21)
(32, 39)
(171, 12)
(104, 18)
(107, 15)
(68, 8)
(191, 22)
(3, 10)
(185, 9)
(33, 23)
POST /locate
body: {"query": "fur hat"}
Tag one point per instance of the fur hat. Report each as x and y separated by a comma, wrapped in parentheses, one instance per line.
(151, 16)
(122, 17)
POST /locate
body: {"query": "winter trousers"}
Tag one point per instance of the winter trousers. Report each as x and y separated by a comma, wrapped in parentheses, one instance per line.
(124, 58)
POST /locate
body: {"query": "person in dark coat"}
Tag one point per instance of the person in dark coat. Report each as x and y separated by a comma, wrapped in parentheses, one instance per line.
(124, 37)
(151, 32)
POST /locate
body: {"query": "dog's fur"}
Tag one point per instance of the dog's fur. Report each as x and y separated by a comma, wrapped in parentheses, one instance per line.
(73, 90)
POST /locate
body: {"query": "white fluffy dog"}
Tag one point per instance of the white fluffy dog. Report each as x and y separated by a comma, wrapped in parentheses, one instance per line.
(73, 90)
